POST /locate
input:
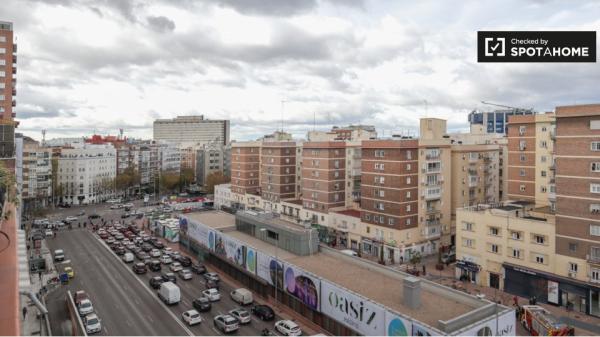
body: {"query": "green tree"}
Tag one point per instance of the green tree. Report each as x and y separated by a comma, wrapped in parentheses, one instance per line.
(186, 177)
(169, 182)
(213, 179)
(415, 258)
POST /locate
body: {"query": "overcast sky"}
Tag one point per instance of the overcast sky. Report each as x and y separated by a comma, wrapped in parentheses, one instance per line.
(86, 65)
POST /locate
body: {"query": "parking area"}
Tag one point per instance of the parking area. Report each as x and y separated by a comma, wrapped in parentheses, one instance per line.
(124, 300)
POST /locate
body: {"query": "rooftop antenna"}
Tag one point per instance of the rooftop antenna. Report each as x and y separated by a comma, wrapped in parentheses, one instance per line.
(120, 133)
(43, 137)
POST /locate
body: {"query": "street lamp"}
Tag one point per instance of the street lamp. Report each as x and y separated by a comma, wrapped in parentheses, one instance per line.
(276, 266)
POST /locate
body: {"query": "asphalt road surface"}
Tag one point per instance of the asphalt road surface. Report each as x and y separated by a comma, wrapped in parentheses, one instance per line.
(123, 300)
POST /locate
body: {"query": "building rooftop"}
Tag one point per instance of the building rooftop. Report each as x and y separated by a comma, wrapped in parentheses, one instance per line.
(214, 219)
(350, 212)
(275, 221)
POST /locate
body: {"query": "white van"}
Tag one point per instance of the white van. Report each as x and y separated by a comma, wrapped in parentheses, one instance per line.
(242, 295)
(128, 257)
(169, 293)
(348, 252)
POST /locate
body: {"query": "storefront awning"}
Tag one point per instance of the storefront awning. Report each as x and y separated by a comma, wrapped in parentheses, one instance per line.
(469, 266)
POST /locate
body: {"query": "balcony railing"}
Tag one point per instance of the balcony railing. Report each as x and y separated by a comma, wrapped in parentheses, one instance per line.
(432, 222)
(593, 259)
(432, 156)
(430, 194)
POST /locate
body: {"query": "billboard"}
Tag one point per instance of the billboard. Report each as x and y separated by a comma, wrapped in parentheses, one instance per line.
(419, 330)
(302, 285)
(201, 233)
(506, 326)
(356, 312)
(396, 325)
(251, 260)
(269, 269)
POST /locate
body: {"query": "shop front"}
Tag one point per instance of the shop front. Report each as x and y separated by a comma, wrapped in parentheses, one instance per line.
(467, 271)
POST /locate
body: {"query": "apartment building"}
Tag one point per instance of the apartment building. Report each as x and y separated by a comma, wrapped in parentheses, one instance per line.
(128, 157)
(191, 129)
(435, 181)
(323, 175)
(37, 175)
(495, 121)
(278, 169)
(475, 175)
(8, 71)
(169, 157)
(354, 132)
(530, 161)
(210, 158)
(245, 168)
(577, 153)
(149, 165)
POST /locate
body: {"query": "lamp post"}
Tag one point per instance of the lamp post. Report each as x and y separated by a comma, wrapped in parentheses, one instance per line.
(264, 230)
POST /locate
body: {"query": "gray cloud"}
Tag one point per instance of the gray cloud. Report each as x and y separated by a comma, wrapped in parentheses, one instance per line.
(268, 7)
(161, 23)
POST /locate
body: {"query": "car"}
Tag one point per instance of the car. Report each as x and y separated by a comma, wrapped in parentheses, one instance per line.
(59, 255)
(129, 234)
(169, 277)
(141, 255)
(242, 315)
(154, 265)
(198, 268)
(71, 218)
(103, 235)
(85, 307)
(212, 277)
(288, 328)
(263, 312)
(110, 240)
(49, 233)
(128, 205)
(119, 237)
(242, 296)
(93, 216)
(226, 323)
(92, 323)
(155, 253)
(69, 271)
(146, 247)
(80, 295)
(185, 274)
(191, 317)
(120, 250)
(212, 294)
(156, 281)
(201, 304)
(127, 257)
(184, 260)
(167, 250)
(166, 259)
(115, 206)
(113, 201)
(210, 284)
(81, 213)
(139, 268)
(175, 267)
(449, 257)
(157, 244)
(124, 215)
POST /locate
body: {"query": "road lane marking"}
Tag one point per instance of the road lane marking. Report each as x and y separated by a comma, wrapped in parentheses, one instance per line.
(153, 295)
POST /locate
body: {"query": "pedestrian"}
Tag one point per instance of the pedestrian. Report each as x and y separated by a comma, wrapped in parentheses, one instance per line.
(424, 270)
(24, 312)
(516, 301)
(40, 274)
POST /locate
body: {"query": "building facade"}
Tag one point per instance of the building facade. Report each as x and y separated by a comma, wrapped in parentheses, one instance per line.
(194, 129)
(8, 71)
(37, 175)
(278, 170)
(245, 168)
(210, 158)
(323, 175)
(495, 121)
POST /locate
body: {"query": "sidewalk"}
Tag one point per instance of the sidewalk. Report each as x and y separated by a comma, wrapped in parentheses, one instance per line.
(585, 325)
(308, 327)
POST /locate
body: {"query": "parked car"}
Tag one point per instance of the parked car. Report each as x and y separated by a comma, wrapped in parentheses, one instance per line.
(69, 271)
(124, 215)
(191, 317)
(80, 213)
(198, 268)
(202, 304)
(156, 281)
(448, 257)
(212, 277)
(185, 274)
(71, 218)
(80, 295)
(226, 323)
(59, 255)
(169, 277)
(243, 316)
(288, 328)
(263, 312)
(242, 296)
(120, 250)
(175, 267)
(49, 233)
(154, 265)
(166, 259)
(85, 307)
(169, 293)
(93, 216)
(184, 260)
(139, 268)
(213, 295)
(92, 323)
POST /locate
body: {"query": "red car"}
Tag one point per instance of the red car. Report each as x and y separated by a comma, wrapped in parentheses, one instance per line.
(103, 235)
(129, 234)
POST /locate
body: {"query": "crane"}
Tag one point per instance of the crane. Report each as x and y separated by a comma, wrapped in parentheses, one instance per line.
(506, 106)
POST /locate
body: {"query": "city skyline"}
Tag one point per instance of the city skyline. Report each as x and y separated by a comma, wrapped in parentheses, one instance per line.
(163, 60)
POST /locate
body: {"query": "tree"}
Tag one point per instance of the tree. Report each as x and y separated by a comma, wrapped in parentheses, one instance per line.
(415, 258)
(168, 182)
(186, 177)
(213, 179)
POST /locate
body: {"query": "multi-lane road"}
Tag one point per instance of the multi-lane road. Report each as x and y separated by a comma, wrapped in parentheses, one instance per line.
(123, 300)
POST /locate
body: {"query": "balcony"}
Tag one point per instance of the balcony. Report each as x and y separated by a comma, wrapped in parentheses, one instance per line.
(593, 259)
(432, 210)
(432, 222)
(432, 193)
(14, 59)
(553, 135)
(14, 92)
(473, 181)
(432, 232)
(432, 156)
(14, 103)
(552, 167)
(487, 159)
(14, 70)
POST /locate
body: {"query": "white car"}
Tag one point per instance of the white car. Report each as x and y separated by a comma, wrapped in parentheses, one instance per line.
(243, 316)
(71, 218)
(191, 317)
(175, 267)
(155, 253)
(128, 205)
(85, 307)
(288, 328)
(212, 294)
(166, 259)
(92, 323)
(185, 274)
(48, 232)
(167, 250)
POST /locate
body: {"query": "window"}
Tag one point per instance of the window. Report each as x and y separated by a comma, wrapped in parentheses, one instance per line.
(595, 146)
(543, 189)
(515, 235)
(408, 155)
(595, 253)
(522, 188)
(494, 231)
(379, 206)
(408, 208)
(595, 275)
(522, 172)
(522, 145)
(379, 166)
(516, 253)
(543, 159)
(595, 208)
(543, 173)
(468, 242)
(391, 221)
(494, 248)
(595, 124)
(543, 129)
(595, 230)
(572, 247)
(408, 167)
(522, 158)
(522, 130)
(594, 188)
(539, 239)
(408, 180)
(595, 167)
(539, 259)
(572, 267)
(543, 144)
(468, 226)
(379, 153)
(408, 221)
(407, 194)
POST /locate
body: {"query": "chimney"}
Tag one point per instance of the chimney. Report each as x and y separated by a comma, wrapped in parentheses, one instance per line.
(412, 292)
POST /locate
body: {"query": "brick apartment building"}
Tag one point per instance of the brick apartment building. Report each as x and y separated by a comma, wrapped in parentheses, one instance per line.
(389, 187)
(323, 175)
(278, 170)
(245, 168)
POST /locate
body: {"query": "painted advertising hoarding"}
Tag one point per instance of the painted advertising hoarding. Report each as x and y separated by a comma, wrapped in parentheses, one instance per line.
(269, 269)
(396, 325)
(251, 260)
(356, 312)
(505, 326)
(302, 285)
(198, 232)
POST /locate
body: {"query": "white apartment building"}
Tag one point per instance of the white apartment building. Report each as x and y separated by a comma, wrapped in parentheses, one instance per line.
(86, 173)
(191, 129)
(37, 174)
(170, 157)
